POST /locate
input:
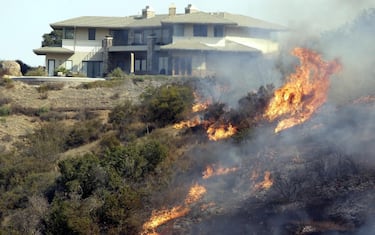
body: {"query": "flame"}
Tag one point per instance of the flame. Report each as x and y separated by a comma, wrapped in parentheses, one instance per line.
(196, 192)
(187, 124)
(163, 216)
(158, 218)
(199, 104)
(211, 171)
(198, 107)
(305, 90)
(221, 132)
(266, 183)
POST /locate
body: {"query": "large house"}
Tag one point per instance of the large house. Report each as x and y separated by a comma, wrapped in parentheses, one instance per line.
(195, 43)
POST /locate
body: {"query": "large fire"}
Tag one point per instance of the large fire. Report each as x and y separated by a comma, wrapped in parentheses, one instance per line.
(304, 92)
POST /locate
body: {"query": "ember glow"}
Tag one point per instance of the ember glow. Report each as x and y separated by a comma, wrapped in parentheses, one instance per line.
(213, 171)
(304, 92)
(220, 132)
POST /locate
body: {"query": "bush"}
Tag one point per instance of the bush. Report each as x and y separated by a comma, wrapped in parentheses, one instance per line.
(6, 82)
(154, 152)
(51, 86)
(40, 71)
(99, 84)
(47, 142)
(5, 110)
(62, 70)
(81, 175)
(83, 133)
(117, 73)
(123, 114)
(167, 104)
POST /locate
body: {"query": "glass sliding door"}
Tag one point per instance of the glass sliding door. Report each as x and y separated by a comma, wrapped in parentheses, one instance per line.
(93, 69)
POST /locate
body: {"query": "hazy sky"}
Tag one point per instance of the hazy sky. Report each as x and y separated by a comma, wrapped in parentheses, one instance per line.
(23, 22)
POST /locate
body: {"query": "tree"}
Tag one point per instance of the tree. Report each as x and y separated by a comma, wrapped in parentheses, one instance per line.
(52, 39)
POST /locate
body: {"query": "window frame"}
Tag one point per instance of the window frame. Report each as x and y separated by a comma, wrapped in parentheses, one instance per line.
(200, 30)
(218, 31)
(91, 34)
(69, 33)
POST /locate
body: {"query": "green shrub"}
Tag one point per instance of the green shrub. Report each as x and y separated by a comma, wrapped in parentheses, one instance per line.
(83, 133)
(117, 73)
(154, 152)
(7, 82)
(47, 141)
(62, 70)
(41, 111)
(50, 86)
(81, 175)
(5, 110)
(36, 72)
(123, 114)
(101, 83)
(167, 104)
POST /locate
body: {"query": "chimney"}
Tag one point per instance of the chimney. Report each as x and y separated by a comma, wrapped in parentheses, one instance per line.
(148, 12)
(190, 9)
(172, 10)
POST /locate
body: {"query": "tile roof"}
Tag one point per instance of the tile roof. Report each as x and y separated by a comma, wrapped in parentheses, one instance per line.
(94, 21)
(156, 21)
(197, 18)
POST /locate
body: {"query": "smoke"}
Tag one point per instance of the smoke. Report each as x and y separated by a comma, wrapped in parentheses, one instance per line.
(323, 170)
(348, 38)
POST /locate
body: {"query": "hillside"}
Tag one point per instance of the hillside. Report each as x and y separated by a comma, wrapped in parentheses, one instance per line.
(63, 99)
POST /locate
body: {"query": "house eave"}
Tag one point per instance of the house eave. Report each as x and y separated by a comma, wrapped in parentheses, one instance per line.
(54, 50)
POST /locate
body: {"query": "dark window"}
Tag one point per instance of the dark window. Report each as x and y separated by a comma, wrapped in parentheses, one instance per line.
(68, 33)
(178, 30)
(138, 37)
(92, 33)
(218, 31)
(120, 37)
(166, 36)
(200, 30)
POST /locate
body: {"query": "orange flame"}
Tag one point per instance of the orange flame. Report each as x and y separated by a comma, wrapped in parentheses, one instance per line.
(200, 105)
(221, 132)
(158, 218)
(187, 124)
(211, 171)
(196, 192)
(305, 90)
(266, 183)
(161, 217)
